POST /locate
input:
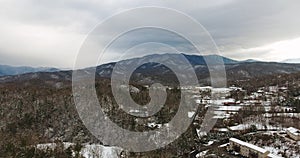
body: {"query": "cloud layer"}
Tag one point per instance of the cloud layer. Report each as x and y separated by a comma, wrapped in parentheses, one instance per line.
(49, 33)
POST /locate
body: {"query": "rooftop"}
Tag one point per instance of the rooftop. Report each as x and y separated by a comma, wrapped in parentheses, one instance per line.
(251, 146)
(274, 156)
(293, 130)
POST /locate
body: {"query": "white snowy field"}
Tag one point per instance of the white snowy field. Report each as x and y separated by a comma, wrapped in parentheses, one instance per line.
(88, 150)
(259, 126)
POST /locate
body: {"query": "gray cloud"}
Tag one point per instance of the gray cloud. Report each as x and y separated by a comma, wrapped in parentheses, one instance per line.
(49, 33)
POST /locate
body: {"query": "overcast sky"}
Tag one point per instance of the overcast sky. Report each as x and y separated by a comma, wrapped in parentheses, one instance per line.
(50, 33)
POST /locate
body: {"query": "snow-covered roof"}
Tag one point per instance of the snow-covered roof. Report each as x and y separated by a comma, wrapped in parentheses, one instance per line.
(205, 87)
(260, 91)
(274, 156)
(153, 125)
(223, 129)
(251, 146)
(228, 108)
(221, 90)
(134, 89)
(191, 114)
(283, 88)
(294, 131)
(222, 101)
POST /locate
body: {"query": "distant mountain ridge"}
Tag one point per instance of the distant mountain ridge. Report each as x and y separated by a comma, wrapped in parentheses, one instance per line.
(152, 72)
(6, 70)
(200, 60)
(236, 70)
(250, 61)
(291, 61)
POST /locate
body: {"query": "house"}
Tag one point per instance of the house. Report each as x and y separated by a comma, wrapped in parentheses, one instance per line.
(229, 102)
(248, 150)
(273, 89)
(294, 133)
(194, 153)
(283, 89)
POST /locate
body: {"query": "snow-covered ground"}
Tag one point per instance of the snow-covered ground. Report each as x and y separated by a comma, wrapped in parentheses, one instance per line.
(293, 115)
(278, 108)
(222, 112)
(209, 143)
(53, 145)
(201, 154)
(224, 145)
(258, 125)
(280, 147)
(96, 151)
(88, 150)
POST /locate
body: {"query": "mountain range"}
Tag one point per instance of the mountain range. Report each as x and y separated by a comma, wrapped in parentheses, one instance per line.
(291, 60)
(235, 70)
(6, 70)
(154, 72)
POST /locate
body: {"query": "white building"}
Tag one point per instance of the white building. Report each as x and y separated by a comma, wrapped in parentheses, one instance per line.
(294, 133)
(249, 150)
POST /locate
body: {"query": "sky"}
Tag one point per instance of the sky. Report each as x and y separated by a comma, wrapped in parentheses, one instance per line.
(50, 33)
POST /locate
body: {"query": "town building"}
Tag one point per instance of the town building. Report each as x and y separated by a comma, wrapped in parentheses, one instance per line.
(294, 133)
(248, 150)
